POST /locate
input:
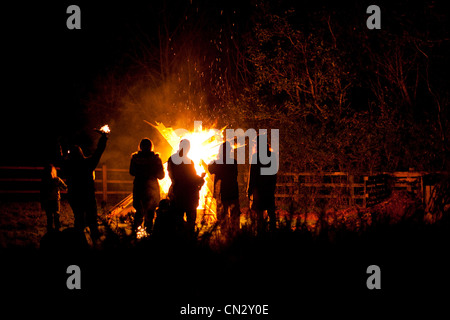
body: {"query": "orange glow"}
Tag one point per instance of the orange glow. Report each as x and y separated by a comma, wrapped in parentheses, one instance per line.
(205, 144)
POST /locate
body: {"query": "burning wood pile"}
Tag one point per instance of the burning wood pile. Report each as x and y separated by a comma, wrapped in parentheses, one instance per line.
(204, 148)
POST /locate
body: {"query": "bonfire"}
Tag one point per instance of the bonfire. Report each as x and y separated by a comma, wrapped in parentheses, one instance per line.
(205, 144)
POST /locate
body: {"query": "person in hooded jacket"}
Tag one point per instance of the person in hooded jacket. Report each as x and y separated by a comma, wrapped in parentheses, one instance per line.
(146, 167)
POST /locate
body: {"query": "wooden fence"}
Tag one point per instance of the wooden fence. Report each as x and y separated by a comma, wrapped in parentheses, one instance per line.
(348, 190)
(341, 187)
(25, 180)
(305, 186)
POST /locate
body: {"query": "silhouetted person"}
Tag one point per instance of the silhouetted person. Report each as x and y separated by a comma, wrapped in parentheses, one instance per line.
(261, 190)
(80, 180)
(50, 196)
(225, 170)
(146, 167)
(186, 184)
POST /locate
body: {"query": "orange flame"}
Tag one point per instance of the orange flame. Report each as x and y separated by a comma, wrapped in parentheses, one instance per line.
(105, 129)
(205, 144)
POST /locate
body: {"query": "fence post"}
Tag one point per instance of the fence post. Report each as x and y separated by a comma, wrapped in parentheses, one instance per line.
(422, 190)
(366, 178)
(104, 184)
(351, 181)
(296, 187)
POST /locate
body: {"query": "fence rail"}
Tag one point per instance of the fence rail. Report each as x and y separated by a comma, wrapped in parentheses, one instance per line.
(105, 186)
(350, 190)
(364, 190)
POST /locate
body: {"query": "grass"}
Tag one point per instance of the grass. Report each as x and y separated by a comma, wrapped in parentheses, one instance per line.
(23, 224)
(301, 268)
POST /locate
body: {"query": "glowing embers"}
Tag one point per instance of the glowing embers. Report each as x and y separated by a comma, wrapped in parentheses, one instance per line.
(141, 232)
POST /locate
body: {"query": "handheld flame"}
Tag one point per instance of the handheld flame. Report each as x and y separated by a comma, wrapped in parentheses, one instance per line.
(104, 129)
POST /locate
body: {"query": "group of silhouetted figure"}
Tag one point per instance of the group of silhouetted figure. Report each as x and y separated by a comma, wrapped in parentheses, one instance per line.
(183, 198)
(178, 212)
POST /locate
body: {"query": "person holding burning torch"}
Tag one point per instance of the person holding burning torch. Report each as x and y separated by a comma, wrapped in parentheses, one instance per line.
(146, 167)
(81, 187)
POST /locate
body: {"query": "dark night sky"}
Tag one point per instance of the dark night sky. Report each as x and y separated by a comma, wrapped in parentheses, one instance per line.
(48, 69)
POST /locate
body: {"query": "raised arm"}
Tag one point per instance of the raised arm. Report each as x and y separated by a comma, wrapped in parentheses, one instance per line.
(101, 145)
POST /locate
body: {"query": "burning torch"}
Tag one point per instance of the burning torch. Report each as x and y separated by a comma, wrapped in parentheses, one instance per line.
(103, 130)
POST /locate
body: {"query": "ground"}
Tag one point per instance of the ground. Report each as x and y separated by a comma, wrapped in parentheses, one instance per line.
(298, 273)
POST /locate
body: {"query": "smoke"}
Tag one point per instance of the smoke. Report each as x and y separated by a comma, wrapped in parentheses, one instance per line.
(176, 95)
(175, 72)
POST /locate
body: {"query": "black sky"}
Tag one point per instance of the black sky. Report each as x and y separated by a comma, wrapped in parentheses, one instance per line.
(48, 70)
